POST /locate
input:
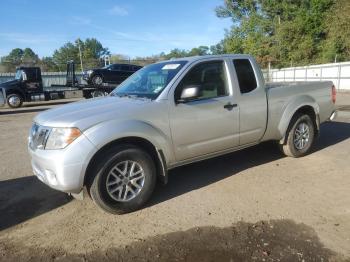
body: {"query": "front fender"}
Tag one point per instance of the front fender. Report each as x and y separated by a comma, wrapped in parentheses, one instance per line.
(292, 107)
(9, 91)
(107, 132)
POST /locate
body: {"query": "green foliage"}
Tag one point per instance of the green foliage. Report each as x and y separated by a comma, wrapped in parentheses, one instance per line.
(337, 44)
(47, 64)
(283, 32)
(15, 56)
(217, 49)
(29, 57)
(198, 51)
(91, 52)
(18, 57)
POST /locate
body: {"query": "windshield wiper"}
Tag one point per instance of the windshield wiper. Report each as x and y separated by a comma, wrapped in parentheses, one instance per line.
(119, 95)
(132, 96)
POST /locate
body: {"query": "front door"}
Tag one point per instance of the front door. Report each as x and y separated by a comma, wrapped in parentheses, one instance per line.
(112, 74)
(210, 123)
(125, 72)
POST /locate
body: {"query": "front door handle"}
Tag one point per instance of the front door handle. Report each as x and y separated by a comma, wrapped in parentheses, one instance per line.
(230, 106)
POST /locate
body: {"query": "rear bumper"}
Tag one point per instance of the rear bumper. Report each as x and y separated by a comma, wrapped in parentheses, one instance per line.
(63, 170)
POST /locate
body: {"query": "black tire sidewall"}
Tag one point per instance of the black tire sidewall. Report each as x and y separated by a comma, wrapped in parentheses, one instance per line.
(98, 94)
(93, 80)
(17, 95)
(99, 191)
(297, 121)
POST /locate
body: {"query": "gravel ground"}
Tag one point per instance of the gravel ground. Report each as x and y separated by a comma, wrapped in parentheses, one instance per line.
(252, 205)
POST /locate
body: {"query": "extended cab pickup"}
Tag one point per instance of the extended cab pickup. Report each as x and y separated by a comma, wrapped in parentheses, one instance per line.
(170, 114)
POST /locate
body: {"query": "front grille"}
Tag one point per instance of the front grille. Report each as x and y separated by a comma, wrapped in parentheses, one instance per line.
(38, 136)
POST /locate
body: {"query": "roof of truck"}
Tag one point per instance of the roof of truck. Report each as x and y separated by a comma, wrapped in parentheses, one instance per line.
(197, 58)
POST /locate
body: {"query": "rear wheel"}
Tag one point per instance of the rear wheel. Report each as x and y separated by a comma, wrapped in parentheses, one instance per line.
(97, 81)
(124, 180)
(98, 93)
(14, 100)
(300, 136)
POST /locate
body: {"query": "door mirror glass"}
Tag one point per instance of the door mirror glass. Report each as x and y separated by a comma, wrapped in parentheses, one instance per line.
(24, 76)
(190, 93)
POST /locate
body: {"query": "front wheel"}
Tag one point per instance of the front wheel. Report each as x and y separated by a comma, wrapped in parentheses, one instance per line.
(124, 181)
(97, 81)
(300, 136)
(14, 100)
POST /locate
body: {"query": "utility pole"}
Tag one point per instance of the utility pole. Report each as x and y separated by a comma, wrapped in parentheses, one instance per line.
(81, 59)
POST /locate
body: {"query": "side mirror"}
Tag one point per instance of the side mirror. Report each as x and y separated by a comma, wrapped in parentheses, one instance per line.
(24, 76)
(190, 93)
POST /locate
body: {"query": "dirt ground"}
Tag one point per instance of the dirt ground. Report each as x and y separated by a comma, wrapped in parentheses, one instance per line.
(252, 205)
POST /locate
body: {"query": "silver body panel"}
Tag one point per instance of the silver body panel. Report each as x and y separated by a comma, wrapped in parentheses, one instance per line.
(184, 133)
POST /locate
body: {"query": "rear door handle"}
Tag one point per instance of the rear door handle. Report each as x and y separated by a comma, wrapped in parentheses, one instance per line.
(230, 106)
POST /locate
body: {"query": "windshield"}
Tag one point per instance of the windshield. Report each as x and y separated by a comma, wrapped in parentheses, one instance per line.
(18, 74)
(150, 81)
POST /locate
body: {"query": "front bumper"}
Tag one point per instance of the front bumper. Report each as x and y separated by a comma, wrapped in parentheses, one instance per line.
(86, 77)
(63, 170)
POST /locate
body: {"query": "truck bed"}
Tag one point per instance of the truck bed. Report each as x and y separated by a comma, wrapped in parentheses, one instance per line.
(286, 95)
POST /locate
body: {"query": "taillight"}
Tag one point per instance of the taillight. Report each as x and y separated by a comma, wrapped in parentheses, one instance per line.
(334, 94)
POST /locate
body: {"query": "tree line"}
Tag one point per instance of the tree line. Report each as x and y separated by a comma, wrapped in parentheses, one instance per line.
(276, 32)
(288, 33)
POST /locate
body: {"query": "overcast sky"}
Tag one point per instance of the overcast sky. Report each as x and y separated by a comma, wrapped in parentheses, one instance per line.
(133, 27)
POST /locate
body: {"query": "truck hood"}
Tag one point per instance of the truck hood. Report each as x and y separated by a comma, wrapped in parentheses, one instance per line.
(87, 113)
(8, 84)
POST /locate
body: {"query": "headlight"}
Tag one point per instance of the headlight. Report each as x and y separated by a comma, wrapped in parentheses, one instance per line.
(89, 72)
(61, 137)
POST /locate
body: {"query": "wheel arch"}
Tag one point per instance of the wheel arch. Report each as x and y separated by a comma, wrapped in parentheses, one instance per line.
(156, 154)
(14, 91)
(306, 109)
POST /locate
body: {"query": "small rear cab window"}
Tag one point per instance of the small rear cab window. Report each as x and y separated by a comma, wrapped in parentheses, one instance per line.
(245, 74)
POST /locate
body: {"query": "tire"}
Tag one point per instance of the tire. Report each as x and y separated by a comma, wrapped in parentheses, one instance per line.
(97, 80)
(14, 100)
(122, 200)
(300, 136)
(98, 93)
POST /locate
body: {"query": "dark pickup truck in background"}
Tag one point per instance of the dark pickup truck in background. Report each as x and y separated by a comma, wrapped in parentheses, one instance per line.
(28, 87)
(111, 74)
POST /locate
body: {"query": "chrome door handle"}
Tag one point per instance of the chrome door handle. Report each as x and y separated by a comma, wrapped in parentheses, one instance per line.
(230, 106)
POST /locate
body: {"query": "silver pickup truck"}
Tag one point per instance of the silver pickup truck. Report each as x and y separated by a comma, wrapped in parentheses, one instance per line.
(169, 114)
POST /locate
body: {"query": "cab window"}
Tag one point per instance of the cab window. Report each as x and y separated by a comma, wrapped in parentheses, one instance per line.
(245, 74)
(209, 76)
(115, 67)
(125, 68)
